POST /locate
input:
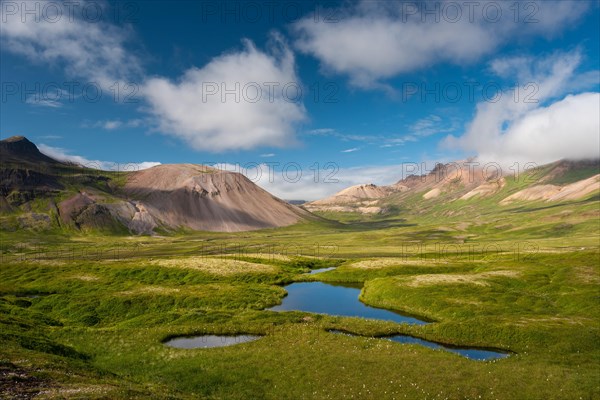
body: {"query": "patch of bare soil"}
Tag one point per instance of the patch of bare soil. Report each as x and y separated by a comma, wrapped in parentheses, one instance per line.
(17, 383)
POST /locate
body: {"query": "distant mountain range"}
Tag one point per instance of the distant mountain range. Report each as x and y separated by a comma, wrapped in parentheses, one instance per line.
(464, 183)
(38, 192)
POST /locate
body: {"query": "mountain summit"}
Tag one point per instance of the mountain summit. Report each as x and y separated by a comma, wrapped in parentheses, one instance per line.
(19, 149)
(205, 198)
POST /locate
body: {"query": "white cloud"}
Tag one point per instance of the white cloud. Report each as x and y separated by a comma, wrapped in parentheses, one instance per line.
(551, 125)
(48, 98)
(431, 125)
(50, 137)
(41, 102)
(260, 115)
(63, 155)
(267, 155)
(114, 124)
(322, 131)
(87, 49)
(342, 136)
(423, 127)
(111, 125)
(569, 128)
(97, 51)
(375, 40)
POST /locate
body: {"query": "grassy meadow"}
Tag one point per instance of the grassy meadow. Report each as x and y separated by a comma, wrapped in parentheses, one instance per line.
(85, 316)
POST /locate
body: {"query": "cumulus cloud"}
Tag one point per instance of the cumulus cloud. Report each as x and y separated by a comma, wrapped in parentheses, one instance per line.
(551, 123)
(61, 35)
(238, 100)
(374, 40)
(568, 128)
(63, 155)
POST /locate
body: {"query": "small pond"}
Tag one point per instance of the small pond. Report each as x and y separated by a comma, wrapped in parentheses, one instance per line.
(208, 341)
(338, 300)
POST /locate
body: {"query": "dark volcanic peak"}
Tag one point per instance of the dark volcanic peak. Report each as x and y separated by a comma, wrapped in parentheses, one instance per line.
(18, 143)
(19, 149)
(15, 139)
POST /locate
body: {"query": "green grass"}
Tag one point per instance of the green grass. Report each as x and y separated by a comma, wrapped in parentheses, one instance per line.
(575, 175)
(106, 305)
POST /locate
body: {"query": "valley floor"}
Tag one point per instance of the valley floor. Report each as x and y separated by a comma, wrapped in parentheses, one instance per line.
(86, 316)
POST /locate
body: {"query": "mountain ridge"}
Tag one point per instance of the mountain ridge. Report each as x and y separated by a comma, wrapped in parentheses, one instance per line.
(461, 181)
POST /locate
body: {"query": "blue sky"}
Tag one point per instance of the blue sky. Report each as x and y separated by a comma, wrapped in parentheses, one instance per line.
(383, 83)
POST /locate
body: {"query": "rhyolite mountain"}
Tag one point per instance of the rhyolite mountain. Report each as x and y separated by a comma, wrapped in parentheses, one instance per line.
(39, 192)
(462, 186)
